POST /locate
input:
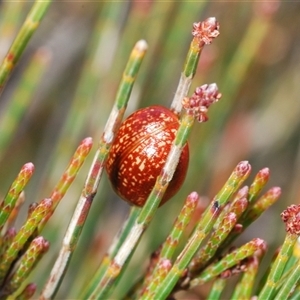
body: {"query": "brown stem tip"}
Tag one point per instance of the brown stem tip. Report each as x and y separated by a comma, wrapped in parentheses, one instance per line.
(291, 218)
(203, 97)
(206, 31)
(29, 291)
(41, 243)
(242, 168)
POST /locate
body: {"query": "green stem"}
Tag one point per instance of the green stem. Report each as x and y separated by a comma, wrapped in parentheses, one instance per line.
(219, 235)
(289, 284)
(108, 258)
(9, 202)
(68, 176)
(191, 61)
(252, 213)
(245, 286)
(30, 25)
(217, 289)
(93, 179)
(28, 261)
(229, 261)
(260, 180)
(170, 245)
(25, 234)
(11, 115)
(27, 293)
(208, 219)
(278, 266)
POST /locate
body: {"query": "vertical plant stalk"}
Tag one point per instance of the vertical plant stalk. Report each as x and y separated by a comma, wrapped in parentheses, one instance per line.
(294, 259)
(291, 218)
(259, 182)
(245, 287)
(196, 108)
(237, 205)
(15, 212)
(229, 261)
(38, 213)
(205, 225)
(172, 30)
(113, 250)
(68, 177)
(86, 90)
(271, 285)
(261, 205)
(289, 284)
(11, 14)
(203, 32)
(26, 232)
(296, 295)
(11, 115)
(170, 245)
(8, 203)
(208, 251)
(31, 257)
(254, 211)
(92, 182)
(30, 25)
(217, 289)
(6, 240)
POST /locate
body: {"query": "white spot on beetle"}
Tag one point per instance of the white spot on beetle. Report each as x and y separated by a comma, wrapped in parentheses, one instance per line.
(161, 144)
(142, 165)
(150, 151)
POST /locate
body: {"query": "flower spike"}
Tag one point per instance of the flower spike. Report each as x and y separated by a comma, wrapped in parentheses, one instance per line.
(203, 97)
(206, 31)
(291, 218)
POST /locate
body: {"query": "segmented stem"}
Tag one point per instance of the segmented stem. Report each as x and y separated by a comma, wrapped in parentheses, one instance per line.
(219, 235)
(259, 182)
(289, 284)
(26, 233)
(203, 32)
(217, 289)
(9, 202)
(261, 205)
(278, 266)
(229, 261)
(291, 218)
(10, 117)
(92, 182)
(114, 248)
(206, 223)
(245, 287)
(171, 243)
(254, 211)
(30, 25)
(31, 257)
(68, 176)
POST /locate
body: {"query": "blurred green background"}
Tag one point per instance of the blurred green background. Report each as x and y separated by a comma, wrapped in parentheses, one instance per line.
(70, 73)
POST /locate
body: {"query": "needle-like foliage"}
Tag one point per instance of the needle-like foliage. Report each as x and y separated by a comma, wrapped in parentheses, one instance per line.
(121, 56)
